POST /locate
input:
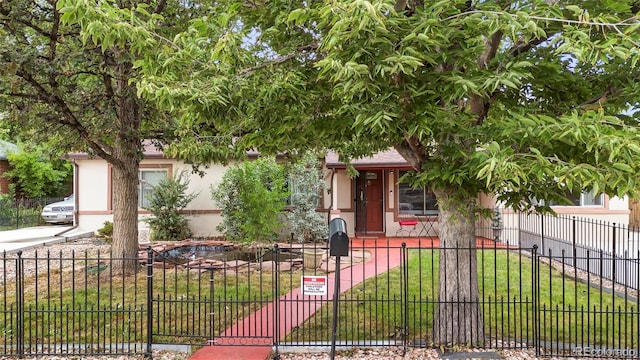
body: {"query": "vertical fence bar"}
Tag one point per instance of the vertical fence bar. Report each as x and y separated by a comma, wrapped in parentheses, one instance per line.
(404, 263)
(19, 306)
(542, 247)
(614, 257)
(276, 303)
(573, 241)
(148, 353)
(535, 288)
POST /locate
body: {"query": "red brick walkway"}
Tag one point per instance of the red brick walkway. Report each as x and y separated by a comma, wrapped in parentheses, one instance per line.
(251, 338)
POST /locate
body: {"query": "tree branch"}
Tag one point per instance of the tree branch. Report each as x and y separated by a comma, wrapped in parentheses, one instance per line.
(522, 46)
(492, 44)
(279, 61)
(24, 95)
(597, 101)
(68, 118)
(160, 6)
(53, 42)
(626, 22)
(411, 150)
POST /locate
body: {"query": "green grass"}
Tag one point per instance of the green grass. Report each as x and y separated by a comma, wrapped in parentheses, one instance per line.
(374, 310)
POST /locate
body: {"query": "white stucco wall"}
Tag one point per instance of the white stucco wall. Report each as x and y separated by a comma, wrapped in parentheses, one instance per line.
(616, 203)
(204, 216)
(94, 195)
(93, 185)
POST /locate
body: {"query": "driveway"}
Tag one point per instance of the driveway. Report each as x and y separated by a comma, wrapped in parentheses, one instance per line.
(14, 240)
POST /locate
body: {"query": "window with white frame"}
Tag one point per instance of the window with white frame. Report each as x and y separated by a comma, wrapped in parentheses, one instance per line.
(148, 178)
(583, 199)
(420, 201)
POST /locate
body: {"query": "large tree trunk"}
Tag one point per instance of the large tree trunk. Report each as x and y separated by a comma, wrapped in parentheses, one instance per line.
(125, 217)
(458, 318)
(127, 152)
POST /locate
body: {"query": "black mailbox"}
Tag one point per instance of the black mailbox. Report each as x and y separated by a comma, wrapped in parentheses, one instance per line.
(338, 238)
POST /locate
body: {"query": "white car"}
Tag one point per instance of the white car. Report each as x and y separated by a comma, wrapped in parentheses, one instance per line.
(60, 212)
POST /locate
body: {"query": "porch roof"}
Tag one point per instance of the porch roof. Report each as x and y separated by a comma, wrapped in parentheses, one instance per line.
(384, 159)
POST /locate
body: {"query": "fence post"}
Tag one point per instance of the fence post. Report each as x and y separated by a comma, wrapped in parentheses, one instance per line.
(405, 294)
(20, 305)
(573, 241)
(542, 233)
(148, 352)
(535, 289)
(276, 302)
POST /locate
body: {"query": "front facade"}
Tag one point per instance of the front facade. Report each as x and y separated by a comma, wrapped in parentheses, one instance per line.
(372, 203)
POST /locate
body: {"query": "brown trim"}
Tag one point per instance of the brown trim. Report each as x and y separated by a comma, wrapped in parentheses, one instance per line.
(187, 211)
(168, 166)
(387, 185)
(144, 212)
(199, 212)
(95, 212)
(109, 187)
(85, 156)
(580, 210)
(379, 166)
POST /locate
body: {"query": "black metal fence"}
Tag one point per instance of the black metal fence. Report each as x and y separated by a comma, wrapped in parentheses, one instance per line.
(19, 213)
(607, 250)
(204, 293)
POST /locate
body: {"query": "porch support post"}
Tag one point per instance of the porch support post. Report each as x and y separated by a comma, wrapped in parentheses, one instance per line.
(334, 212)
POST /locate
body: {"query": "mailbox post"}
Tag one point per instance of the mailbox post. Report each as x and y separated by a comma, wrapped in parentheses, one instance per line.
(338, 246)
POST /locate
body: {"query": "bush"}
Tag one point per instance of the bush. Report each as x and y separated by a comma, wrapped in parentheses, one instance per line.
(34, 175)
(168, 199)
(251, 197)
(106, 231)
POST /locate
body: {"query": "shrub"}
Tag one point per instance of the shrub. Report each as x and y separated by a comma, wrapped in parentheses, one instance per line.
(106, 231)
(251, 197)
(169, 197)
(34, 175)
(306, 186)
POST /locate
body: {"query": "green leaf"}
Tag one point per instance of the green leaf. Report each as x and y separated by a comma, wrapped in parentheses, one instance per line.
(622, 167)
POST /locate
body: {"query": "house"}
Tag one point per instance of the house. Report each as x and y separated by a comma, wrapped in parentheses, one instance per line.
(372, 203)
(6, 148)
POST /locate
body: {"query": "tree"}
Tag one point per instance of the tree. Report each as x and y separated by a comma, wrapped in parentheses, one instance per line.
(166, 202)
(305, 188)
(251, 198)
(34, 175)
(525, 100)
(76, 94)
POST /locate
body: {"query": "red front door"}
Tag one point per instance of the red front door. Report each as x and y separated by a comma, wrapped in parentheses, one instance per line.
(369, 202)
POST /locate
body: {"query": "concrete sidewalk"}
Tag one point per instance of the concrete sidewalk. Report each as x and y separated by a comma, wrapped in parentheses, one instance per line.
(20, 239)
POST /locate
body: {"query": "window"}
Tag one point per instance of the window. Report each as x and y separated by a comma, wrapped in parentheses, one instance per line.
(148, 179)
(583, 199)
(421, 201)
